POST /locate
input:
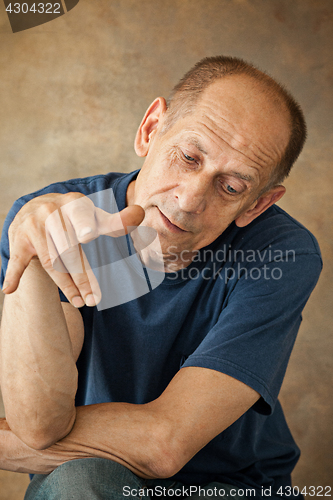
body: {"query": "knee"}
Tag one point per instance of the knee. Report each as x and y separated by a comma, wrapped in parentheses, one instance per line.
(93, 478)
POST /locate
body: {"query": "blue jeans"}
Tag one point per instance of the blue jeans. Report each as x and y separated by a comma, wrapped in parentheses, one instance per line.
(100, 479)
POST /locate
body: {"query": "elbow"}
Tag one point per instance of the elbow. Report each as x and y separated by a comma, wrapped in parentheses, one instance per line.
(166, 456)
(162, 468)
(164, 465)
(37, 440)
(40, 437)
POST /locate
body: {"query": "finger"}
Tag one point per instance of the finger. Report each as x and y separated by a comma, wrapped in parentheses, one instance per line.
(87, 282)
(120, 223)
(73, 275)
(69, 261)
(20, 257)
(79, 219)
(66, 255)
(55, 255)
(132, 216)
(58, 239)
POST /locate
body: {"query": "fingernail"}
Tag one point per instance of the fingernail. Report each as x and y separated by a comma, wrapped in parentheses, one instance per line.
(5, 285)
(77, 301)
(90, 300)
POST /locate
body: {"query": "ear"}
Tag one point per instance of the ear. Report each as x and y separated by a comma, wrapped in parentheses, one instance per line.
(260, 205)
(148, 126)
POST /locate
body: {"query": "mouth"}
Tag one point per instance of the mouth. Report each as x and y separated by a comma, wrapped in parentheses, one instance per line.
(170, 225)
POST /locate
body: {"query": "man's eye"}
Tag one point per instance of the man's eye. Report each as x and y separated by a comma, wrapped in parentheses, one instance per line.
(231, 189)
(189, 158)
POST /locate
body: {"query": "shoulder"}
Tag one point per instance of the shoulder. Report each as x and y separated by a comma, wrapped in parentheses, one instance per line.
(278, 229)
(274, 243)
(84, 185)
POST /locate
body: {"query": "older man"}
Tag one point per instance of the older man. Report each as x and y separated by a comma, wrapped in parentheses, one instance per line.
(175, 391)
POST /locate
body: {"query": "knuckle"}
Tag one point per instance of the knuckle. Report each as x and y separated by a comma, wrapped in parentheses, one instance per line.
(67, 288)
(30, 221)
(72, 195)
(15, 259)
(47, 263)
(44, 210)
(74, 203)
(83, 283)
(79, 204)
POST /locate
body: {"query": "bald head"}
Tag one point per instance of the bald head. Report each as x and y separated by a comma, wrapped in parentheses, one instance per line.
(265, 99)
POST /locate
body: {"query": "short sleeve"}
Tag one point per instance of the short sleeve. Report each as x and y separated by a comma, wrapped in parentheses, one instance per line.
(4, 247)
(256, 330)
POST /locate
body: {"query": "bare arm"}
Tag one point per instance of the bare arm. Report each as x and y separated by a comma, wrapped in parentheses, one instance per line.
(39, 376)
(39, 384)
(39, 381)
(153, 440)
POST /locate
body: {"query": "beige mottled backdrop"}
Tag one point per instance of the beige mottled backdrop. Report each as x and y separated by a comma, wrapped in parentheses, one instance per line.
(72, 93)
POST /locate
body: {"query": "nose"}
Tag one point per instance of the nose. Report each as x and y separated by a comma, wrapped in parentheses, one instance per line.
(192, 193)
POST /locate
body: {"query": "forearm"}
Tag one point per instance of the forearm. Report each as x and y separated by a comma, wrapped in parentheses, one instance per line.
(132, 435)
(115, 431)
(38, 372)
(155, 439)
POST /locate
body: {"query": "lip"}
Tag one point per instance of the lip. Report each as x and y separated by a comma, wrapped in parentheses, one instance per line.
(170, 225)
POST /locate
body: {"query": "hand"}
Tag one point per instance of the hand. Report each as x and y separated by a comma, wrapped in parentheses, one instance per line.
(52, 227)
(15, 456)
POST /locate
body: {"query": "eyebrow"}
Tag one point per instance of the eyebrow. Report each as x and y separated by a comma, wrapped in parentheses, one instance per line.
(194, 142)
(247, 178)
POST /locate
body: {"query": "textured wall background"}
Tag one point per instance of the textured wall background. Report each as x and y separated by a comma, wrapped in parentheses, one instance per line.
(73, 91)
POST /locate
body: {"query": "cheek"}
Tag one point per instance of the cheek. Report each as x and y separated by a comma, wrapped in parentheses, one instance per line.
(155, 187)
(228, 210)
(144, 187)
(215, 225)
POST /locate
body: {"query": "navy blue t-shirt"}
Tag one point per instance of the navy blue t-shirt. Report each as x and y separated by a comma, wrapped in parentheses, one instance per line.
(235, 309)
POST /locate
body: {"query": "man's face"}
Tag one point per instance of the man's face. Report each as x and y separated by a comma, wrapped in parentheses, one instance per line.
(209, 168)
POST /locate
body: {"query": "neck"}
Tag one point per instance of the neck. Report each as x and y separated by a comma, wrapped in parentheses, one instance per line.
(130, 194)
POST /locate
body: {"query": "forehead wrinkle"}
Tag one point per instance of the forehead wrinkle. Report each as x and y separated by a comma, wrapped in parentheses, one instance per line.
(253, 180)
(239, 142)
(233, 146)
(245, 177)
